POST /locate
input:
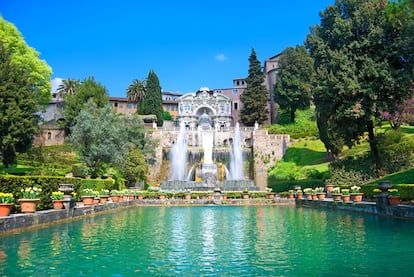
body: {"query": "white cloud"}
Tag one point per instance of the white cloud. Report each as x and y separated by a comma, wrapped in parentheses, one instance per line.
(56, 83)
(221, 57)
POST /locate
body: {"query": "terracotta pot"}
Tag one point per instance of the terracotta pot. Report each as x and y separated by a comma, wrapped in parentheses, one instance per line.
(314, 197)
(5, 209)
(308, 196)
(224, 196)
(140, 196)
(57, 204)
(346, 198)
(115, 198)
(28, 205)
(162, 196)
(336, 197)
(245, 196)
(291, 195)
(321, 196)
(299, 196)
(96, 200)
(187, 196)
(87, 200)
(103, 199)
(394, 200)
(271, 195)
(356, 197)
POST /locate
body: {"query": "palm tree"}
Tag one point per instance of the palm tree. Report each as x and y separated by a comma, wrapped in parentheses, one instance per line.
(68, 87)
(136, 93)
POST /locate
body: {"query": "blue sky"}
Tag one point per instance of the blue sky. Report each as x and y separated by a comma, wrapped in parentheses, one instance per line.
(188, 44)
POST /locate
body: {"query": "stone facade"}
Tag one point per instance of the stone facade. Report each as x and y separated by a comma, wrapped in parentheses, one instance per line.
(266, 150)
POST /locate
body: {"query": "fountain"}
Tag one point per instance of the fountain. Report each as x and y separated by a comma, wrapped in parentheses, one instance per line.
(197, 158)
(194, 168)
(178, 169)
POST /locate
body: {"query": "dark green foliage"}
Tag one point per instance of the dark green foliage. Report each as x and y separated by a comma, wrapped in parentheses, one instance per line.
(152, 102)
(255, 98)
(396, 150)
(351, 171)
(361, 70)
(74, 103)
(18, 105)
(293, 87)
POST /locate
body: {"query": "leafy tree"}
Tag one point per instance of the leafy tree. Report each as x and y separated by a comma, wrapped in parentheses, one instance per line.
(136, 93)
(67, 87)
(134, 169)
(403, 114)
(152, 102)
(167, 116)
(18, 105)
(293, 87)
(98, 138)
(255, 97)
(27, 58)
(360, 70)
(87, 89)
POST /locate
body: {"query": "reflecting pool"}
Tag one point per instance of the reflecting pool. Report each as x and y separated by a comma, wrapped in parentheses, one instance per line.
(214, 241)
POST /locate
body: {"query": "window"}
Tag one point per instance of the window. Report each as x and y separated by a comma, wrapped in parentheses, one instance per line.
(49, 136)
(129, 105)
(135, 105)
(235, 91)
(121, 105)
(236, 105)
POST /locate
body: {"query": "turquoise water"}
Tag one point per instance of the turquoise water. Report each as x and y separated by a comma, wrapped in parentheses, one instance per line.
(214, 241)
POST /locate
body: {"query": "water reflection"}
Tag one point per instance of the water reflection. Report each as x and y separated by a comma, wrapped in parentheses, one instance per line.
(212, 241)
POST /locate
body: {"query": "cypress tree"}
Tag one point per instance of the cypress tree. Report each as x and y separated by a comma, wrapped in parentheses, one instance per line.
(255, 97)
(152, 102)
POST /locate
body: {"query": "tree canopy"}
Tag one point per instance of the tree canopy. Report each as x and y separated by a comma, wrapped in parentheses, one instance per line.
(18, 105)
(294, 79)
(74, 103)
(152, 102)
(27, 58)
(255, 98)
(363, 67)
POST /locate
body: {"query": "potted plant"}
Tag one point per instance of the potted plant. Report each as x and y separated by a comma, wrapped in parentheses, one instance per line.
(6, 203)
(88, 195)
(356, 195)
(30, 198)
(346, 197)
(393, 197)
(57, 200)
(376, 191)
(314, 195)
(245, 194)
(103, 196)
(299, 194)
(336, 193)
(320, 193)
(115, 195)
(269, 193)
(308, 193)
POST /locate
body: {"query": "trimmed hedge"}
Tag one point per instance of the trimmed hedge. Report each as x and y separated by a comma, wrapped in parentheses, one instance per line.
(280, 186)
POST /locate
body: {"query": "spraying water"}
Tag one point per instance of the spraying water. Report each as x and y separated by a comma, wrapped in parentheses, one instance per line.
(236, 171)
(208, 140)
(178, 156)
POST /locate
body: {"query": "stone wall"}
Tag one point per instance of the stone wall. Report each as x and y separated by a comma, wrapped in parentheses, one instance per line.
(267, 149)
